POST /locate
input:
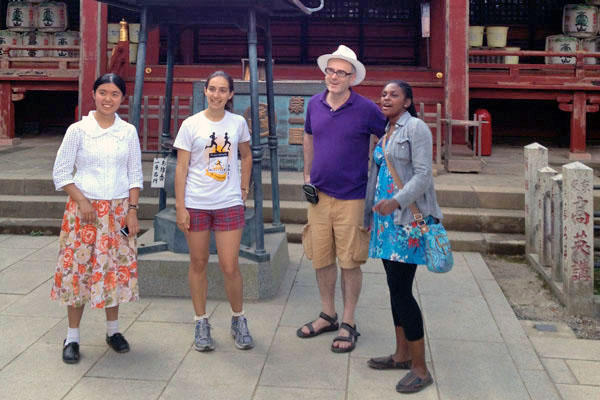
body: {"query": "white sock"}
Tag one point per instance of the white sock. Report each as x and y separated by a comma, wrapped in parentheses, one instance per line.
(72, 335)
(199, 317)
(112, 327)
(237, 314)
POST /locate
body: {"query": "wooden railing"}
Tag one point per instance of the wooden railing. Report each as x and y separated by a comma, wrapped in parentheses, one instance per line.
(48, 66)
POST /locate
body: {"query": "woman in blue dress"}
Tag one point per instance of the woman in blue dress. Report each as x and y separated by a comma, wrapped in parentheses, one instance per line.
(395, 237)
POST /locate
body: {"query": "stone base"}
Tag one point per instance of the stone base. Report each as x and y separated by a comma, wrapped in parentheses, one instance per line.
(5, 141)
(580, 156)
(166, 273)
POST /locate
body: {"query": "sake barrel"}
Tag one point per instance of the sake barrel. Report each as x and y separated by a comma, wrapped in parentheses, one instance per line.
(134, 33)
(593, 2)
(511, 59)
(591, 45)
(20, 16)
(52, 16)
(476, 36)
(67, 38)
(37, 39)
(112, 34)
(133, 48)
(580, 20)
(496, 36)
(563, 44)
(9, 38)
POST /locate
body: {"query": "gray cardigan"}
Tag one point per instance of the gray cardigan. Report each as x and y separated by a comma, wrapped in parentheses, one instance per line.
(410, 150)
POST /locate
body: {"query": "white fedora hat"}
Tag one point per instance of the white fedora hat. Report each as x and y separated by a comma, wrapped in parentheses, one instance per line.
(344, 53)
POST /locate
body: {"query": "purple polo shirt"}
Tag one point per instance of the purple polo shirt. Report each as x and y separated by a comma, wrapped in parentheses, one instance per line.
(341, 144)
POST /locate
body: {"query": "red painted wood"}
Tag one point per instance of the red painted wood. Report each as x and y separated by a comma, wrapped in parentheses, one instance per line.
(457, 74)
(7, 112)
(578, 121)
(153, 46)
(89, 61)
(103, 37)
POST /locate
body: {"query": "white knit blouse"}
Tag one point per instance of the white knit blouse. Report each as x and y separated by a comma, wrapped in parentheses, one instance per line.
(103, 163)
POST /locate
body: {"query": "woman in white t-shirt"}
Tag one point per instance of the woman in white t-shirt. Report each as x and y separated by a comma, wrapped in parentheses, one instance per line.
(99, 165)
(210, 196)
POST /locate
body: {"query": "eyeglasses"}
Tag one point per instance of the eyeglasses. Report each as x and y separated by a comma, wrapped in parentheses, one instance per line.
(340, 72)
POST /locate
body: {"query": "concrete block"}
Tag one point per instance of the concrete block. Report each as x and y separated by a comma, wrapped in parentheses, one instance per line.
(500, 197)
(11, 256)
(22, 277)
(572, 349)
(579, 392)
(7, 299)
(586, 372)
(301, 363)
(375, 292)
(562, 329)
(524, 356)
(159, 354)
(468, 370)
(536, 157)
(27, 242)
(459, 282)
(166, 309)
(279, 393)
(377, 332)
(48, 253)
(304, 305)
(166, 273)
(477, 265)
(558, 370)
(122, 389)
(539, 386)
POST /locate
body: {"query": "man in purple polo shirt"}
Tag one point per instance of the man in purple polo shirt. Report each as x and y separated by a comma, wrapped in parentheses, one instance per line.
(339, 124)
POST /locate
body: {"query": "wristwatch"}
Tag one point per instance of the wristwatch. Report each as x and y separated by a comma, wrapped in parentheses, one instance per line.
(133, 207)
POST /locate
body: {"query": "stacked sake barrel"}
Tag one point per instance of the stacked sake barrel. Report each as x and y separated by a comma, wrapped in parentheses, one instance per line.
(581, 25)
(113, 35)
(39, 24)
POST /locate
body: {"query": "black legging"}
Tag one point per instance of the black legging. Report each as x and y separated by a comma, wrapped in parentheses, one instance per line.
(405, 309)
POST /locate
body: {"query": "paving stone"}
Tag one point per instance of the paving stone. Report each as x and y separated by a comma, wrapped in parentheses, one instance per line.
(302, 363)
(574, 349)
(524, 356)
(262, 322)
(562, 329)
(7, 299)
(18, 333)
(9, 256)
(4, 237)
(24, 276)
(376, 327)
(285, 288)
(171, 309)
(475, 370)
(558, 370)
(156, 351)
(52, 378)
(579, 392)
(48, 253)
(92, 331)
(459, 282)
(459, 318)
(539, 385)
(216, 375)
(586, 372)
(27, 242)
(296, 252)
(373, 266)
(365, 383)
(122, 389)
(37, 304)
(478, 266)
(374, 292)
(306, 276)
(279, 393)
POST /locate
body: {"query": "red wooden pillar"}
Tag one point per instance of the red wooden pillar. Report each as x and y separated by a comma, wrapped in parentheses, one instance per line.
(578, 107)
(90, 17)
(456, 88)
(7, 114)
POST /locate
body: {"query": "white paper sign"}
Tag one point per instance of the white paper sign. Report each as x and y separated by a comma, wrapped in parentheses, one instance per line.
(425, 20)
(159, 168)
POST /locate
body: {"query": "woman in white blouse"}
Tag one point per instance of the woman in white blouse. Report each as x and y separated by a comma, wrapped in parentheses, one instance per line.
(99, 166)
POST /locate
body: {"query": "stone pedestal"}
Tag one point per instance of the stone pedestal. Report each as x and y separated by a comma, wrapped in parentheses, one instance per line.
(557, 211)
(166, 273)
(544, 215)
(536, 157)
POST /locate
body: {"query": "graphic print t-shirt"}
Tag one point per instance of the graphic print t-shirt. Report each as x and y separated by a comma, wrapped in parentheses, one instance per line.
(213, 179)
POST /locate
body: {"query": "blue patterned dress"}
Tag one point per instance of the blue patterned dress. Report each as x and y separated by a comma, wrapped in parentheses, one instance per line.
(388, 240)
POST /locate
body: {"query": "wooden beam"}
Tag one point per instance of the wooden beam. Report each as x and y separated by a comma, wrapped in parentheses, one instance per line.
(89, 64)
(7, 112)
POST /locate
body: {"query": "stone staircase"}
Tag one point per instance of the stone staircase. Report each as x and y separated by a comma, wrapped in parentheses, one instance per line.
(484, 219)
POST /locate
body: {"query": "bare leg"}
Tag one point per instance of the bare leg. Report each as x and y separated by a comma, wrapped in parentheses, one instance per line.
(351, 286)
(198, 244)
(402, 351)
(417, 354)
(112, 313)
(326, 278)
(74, 316)
(228, 248)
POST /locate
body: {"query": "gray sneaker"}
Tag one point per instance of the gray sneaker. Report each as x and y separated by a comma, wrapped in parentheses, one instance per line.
(240, 333)
(202, 339)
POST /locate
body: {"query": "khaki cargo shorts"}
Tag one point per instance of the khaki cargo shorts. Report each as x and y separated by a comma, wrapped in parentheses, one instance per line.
(335, 229)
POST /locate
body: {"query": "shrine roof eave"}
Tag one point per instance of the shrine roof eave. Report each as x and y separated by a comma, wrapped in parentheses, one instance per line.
(274, 7)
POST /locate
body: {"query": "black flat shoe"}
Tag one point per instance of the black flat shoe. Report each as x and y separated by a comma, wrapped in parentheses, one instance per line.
(71, 353)
(118, 343)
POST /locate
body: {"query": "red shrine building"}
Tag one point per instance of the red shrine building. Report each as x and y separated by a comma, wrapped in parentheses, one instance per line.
(501, 55)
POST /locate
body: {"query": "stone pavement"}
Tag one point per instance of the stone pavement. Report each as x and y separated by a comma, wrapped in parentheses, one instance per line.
(476, 347)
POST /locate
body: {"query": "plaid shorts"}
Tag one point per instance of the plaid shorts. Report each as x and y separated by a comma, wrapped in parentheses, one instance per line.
(223, 219)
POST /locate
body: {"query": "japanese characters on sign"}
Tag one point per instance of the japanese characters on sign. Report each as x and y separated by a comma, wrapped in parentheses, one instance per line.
(159, 168)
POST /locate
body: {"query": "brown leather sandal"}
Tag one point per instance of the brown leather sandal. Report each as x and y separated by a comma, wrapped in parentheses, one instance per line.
(351, 339)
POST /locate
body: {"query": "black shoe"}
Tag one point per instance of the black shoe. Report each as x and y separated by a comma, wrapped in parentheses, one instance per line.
(71, 353)
(118, 343)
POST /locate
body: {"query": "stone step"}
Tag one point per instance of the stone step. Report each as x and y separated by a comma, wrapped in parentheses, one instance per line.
(459, 219)
(45, 226)
(290, 189)
(488, 243)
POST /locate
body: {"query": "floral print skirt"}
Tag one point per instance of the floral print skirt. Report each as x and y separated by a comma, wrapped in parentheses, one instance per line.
(96, 263)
